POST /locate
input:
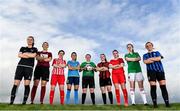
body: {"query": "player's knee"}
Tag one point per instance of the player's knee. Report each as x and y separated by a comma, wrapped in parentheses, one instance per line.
(162, 82)
(152, 83)
(109, 89)
(53, 88)
(84, 90)
(91, 90)
(141, 89)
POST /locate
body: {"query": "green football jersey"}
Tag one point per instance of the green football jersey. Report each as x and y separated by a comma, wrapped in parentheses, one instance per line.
(133, 67)
(88, 72)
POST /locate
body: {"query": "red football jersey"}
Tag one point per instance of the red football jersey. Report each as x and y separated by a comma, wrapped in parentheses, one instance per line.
(58, 71)
(116, 62)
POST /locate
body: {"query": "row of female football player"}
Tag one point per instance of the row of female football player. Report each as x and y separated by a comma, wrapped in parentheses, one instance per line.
(24, 69)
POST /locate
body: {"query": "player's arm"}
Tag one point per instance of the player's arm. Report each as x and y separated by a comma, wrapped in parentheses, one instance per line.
(78, 67)
(30, 55)
(155, 58)
(148, 61)
(82, 67)
(112, 66)
(39, 58)
(98, 68)
(133, 59)
(119, 66)
(21, 55)
(62, 65)
(48, 59)
(105, 69)
(54, 64)
(71, 68)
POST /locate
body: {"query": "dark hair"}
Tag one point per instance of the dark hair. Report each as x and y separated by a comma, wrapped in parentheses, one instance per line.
(31, 38)
(115, 50)
(88, 55)
(74, 53)
(105, 57)
(131, 46)
(61, 51)
(148, 43)
(45, 42)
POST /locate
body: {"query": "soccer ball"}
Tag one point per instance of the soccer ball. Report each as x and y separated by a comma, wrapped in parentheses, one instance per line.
(89, 68)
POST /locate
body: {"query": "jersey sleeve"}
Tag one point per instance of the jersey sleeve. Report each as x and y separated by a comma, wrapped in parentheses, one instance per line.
(125, 55)
(110, 62)
(93, 64)
(50, 54)
(121, 60)
(145, 57)
(138, 55)
(54, 61)
(98, 65)
(82, 65)
(64, 61)
(35, 50)
(21, 50)
(158, 53)
(78, 63)
(38, 53)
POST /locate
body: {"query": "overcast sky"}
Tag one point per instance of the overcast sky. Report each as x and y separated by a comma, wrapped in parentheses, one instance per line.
(90, 26)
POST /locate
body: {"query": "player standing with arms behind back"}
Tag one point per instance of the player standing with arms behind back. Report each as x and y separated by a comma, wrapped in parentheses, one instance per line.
(41, 72)
(58, 77)
(135, 73)
(155, 72)
(24, 69)
(118, 77)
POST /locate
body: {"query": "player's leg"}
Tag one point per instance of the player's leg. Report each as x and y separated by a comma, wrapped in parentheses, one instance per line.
(33, 91)
(122, 81)
(143, 93)
(162, 83)
(117, 90)
(35, 84)
(26, 91)
(69, 85)
(131, 77)
(52, 90)
(27, 80)
(14, 90)
(110, 93)
(109, 90)
(140, 80)
(17, 80)
(76, 87)
(43, 90)
(103, 89)
(44, 80)
(152, 81)
(61, 81)
(123, 87)
(92, 86)
(84, 88)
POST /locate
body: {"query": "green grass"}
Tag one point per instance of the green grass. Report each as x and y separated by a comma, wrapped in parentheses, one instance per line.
(3, 106)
